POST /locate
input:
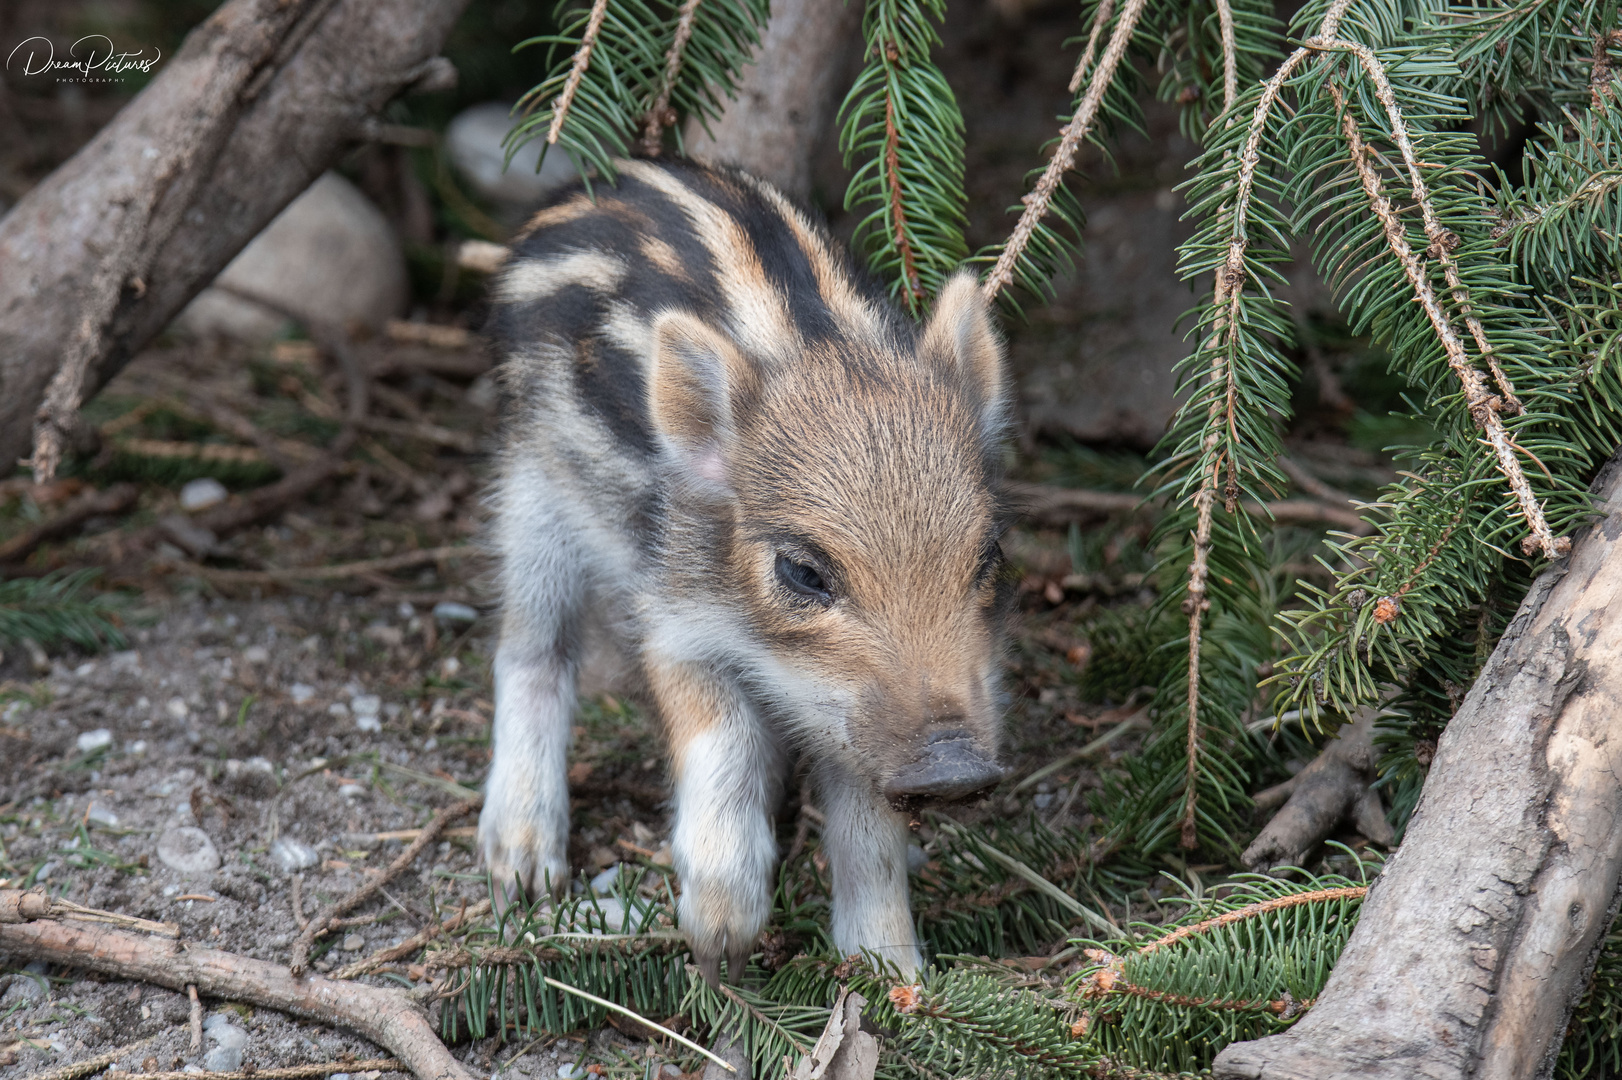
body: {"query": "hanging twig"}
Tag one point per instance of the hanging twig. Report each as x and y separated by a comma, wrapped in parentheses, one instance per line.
(661, 115)
(1037, 202)
(322, 922)
(1484, 406)
(1101, 18)
(1230, 73)
(892, 172)
(582, 60)
(1227, 292)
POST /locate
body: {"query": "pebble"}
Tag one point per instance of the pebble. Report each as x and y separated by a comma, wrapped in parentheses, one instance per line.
(91, 741)
(138, 747)
(293, 855)
(366, 704)
(1043, 801)
(351, 791)
(188, 850)
(451, 611)
(354, 943)
(256, 654)
(101, 815)
(570, 1071)
(604, 882)
(369, 723)
(44, 873)
(917, 858)
(224, 1033)
(223, 1059)
(176, 707)
(202, 493)
(301, 693)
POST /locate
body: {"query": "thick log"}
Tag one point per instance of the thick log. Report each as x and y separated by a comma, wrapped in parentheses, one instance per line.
(261, 98)
(1478, 939)
(788, 96)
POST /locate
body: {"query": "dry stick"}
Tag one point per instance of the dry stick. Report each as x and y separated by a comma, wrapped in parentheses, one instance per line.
(656, 118)
(196, 1018)
(292, 1072)
(320, 924)
(114, 500)
(1227, 290)
(18, 906)
(1483, 406)
(385, 1016)
(91, 1065)
(331, 573)
(295, 889)
(1037, 202)
(582, 60)
(410, 944)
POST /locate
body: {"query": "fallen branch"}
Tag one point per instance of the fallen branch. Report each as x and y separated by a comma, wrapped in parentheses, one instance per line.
(292, 1072)
(323, 922)
(1051, 505)
(337, 572)
(91, 1066)
(385, 1016)
(412, 943)
(114, 500)
(1335, 787)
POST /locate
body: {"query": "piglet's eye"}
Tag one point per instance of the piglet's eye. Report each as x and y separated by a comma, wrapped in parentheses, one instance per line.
(801, 578)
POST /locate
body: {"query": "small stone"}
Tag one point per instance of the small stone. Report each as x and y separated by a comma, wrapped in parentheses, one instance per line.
(604, 882)
(917, 858)
(224, 1033)
(176, 707)
(188, 850)
(101, 815)
(293, 855)
(202, 493)
(366, 704)
(138, 747)
(91, 741)
(223, 1059)
(570, 1071)
(256, 654)
(351, 791)
(368, 723)
(301, 693)
(85, 670)
(450, 667)
(1043, 801)
(451, 611)
(338, 708)
(44, 873)
(353, 943)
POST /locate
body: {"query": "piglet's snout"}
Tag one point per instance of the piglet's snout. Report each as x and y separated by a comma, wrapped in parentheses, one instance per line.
(950, 766)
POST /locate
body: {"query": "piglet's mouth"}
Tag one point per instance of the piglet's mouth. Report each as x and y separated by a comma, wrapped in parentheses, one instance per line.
(950, 768)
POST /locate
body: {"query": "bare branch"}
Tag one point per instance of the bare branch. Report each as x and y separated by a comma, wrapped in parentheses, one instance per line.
(582, 60)
(660, 115)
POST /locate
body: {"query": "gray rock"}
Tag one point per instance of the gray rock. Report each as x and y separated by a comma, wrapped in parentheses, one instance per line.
(187, 535)
(188, 850)
(293, 855)
(330, 256)
(474, 140)
(223, 1059)
(91, 741)
(451, 611)
(202, 493)
(353, 943)
(224, 1033)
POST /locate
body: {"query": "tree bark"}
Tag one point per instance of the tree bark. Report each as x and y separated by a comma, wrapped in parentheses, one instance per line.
(789, 95)
(1479, 938)
(261, 98)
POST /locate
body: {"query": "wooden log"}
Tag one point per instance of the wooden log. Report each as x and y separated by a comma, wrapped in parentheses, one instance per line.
(788, 96)
(263, 96)
(1477, 941)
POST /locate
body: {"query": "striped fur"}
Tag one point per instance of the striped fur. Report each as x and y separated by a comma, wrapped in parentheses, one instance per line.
(727, 457)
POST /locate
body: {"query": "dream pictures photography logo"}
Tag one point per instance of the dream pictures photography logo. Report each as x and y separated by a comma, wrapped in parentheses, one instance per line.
(93, 58)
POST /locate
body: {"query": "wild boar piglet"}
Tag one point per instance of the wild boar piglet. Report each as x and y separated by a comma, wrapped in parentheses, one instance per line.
(730, 466)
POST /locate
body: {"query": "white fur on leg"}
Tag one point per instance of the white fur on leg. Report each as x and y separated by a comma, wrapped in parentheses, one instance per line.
(722, 840)
(524, 828)
(866, 845)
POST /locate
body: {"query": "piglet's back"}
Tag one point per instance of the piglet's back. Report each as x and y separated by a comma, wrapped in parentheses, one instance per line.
(588, 276)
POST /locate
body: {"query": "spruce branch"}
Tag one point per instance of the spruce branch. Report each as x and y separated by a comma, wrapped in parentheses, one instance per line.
(1064, 156)
(1484, 407)
(577, 70)
(1230, 61)
(660, 114)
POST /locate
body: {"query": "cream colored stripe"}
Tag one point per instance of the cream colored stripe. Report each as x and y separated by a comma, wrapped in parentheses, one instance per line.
(536, 279)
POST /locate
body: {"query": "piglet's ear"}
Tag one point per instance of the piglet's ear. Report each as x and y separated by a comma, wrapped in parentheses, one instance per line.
(695, 382)
(961, 338)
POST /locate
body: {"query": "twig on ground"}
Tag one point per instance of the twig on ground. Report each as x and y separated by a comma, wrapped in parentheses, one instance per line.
(411, 944)
(439, 335)
(18, 906)
(385, 1016)
(295, 888)
(114, 500)
(321, 923)
(91, 1066)
(196, 1018)
(292, 1072)
(362, 568)
(1052, 505)
(462, 441)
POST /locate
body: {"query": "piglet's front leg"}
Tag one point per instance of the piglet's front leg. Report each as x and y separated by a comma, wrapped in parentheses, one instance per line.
(728, 772)
(866, 845)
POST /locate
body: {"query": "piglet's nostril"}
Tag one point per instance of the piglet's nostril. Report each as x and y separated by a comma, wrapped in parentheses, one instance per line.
(950, 766)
